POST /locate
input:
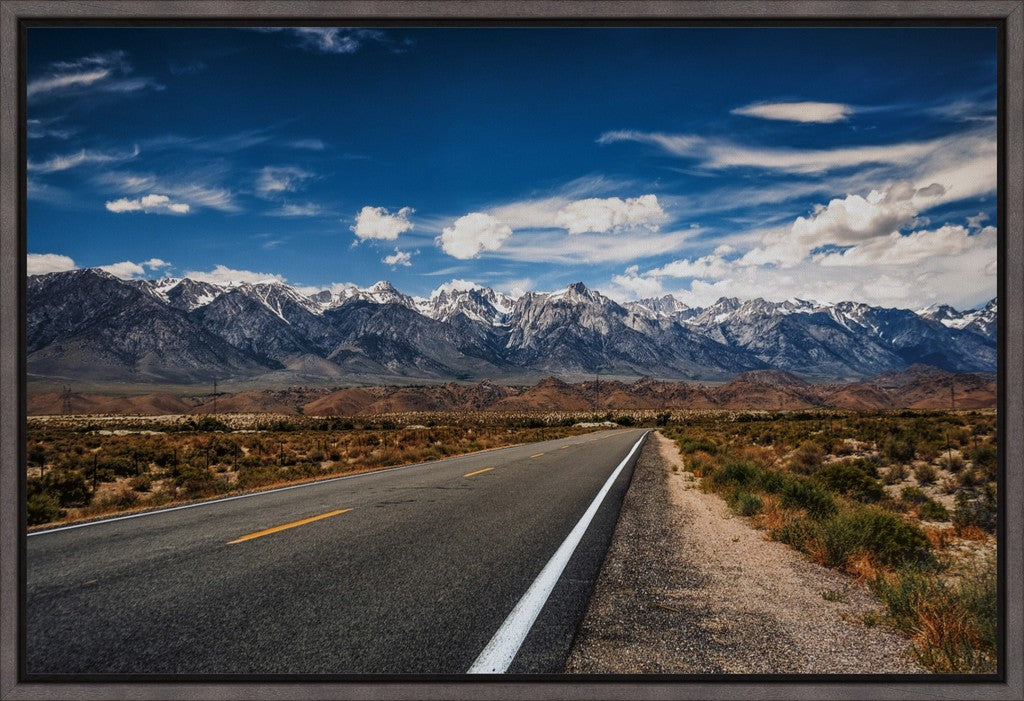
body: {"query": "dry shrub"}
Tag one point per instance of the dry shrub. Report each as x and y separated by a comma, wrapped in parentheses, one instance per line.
(763, 457)
(863, 566)
(701, 464)
(970, 533)
(940, 537)
(772, 516)
(946, 639)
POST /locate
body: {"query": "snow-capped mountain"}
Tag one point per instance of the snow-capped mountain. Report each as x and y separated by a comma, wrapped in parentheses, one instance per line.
(89, 324)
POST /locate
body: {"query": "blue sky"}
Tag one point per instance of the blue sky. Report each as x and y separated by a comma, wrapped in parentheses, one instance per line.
(820, 163)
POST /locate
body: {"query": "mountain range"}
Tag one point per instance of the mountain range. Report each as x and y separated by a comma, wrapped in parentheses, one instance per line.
(89, 325)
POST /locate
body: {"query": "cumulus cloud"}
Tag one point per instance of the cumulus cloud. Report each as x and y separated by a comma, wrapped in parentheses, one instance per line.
(844, 221)
(398, 258)
(911, 249)
(149, 204)
(223, 275)
(948, 264)
(128, 270)
(472, 234)
(455, 285)
(42, 263)
(611, 214)
(632, 285)
(378, 223)
(67, 161)
(276, 180)
(806, 112)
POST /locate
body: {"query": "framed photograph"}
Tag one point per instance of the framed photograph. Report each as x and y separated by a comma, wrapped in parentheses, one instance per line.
(461, 349)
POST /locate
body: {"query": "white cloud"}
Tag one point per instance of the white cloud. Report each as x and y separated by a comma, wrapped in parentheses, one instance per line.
(378, 223)
(108, 72)
(307, 209)
(611, 214)
(556, 247)
(331, 40)
(976, 221)
(719, 154)
(398, 258)
(223, 275)
(947, 265)
(807, 112)
(473, 233)
(916, 248)
(844, 221)
(128, 270)
(196, 194)
(65, 80)
(149, 204)
(42, 263)
(276, 180)
(455, 285)
(632, 285)
(67, 161)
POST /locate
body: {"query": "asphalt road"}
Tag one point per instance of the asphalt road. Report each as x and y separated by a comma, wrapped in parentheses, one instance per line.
(411, 570)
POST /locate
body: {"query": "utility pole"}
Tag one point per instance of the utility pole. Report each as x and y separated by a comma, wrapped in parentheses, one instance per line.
(65, 400)
(215, 395)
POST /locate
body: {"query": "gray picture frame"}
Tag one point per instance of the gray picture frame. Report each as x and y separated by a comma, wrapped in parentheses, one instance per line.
(1011, 309)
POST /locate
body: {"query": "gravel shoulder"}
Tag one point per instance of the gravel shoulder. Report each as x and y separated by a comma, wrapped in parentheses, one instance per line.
(689, 588)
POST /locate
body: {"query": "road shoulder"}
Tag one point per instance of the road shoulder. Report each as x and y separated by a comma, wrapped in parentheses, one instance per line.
(689, 588)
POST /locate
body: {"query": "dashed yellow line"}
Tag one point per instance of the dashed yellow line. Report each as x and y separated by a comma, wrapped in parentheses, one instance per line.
(470, 474)
(286, 526)
(536, 455)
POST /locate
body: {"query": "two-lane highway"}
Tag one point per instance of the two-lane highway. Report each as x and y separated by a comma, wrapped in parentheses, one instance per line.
(477, 563)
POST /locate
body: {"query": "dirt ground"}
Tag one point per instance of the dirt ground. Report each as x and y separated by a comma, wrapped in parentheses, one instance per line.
(689, 588)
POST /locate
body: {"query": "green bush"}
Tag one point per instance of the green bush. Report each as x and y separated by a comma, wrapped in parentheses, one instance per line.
(913, 495)
(738, 472)
(745, 503)
(69, 487)
(42, 508)
(805, 495)
(925, 474)
(799, 533)
(850, 479)
(899, 448)
(885, 535)
(932, 510)
(980, 512)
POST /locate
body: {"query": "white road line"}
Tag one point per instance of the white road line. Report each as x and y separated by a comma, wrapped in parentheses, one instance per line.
(260, 493)
(502, 648)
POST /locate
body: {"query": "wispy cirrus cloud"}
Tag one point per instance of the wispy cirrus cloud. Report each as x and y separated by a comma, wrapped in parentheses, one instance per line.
(108, 72)
(195, 188)
(277, 180)
(293, 209)
(66, 161)
(803, 112)
(720, 154)
(334, 40)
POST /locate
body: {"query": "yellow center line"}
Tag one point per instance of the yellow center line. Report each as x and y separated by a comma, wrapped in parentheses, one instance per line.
(293, 524)
(564, 447)
(470, 474)
(536, 455)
